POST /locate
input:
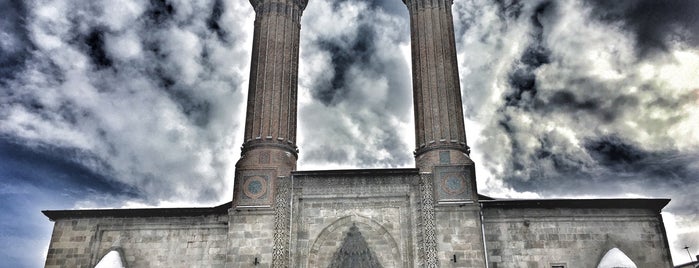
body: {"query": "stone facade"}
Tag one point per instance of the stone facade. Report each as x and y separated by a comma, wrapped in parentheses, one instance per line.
(429, 216)
(383, 204)
(147, 238)
(394, 210)
(574, 233)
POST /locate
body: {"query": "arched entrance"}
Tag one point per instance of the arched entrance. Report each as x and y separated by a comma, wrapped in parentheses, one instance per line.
(327, 243)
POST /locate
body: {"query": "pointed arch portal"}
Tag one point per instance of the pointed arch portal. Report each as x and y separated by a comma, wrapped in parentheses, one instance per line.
(343, 241)
(354, 252)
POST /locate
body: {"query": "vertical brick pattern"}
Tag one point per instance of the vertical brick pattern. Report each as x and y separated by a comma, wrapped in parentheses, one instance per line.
(271, 107)
(439, 120)
(270, 120)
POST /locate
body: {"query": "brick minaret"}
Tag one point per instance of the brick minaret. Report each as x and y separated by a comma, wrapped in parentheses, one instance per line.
(269, 150)
(439, 124)
(440, 137)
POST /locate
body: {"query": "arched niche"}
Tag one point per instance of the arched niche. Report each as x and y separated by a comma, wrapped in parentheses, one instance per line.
(615, 258)
(377, 237)
(114, 258)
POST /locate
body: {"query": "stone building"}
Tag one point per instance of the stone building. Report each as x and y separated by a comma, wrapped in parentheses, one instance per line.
(427, 216)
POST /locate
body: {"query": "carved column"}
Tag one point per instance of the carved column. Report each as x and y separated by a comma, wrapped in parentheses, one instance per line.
(450, 199)
(440, 137)
(258, 233)
(269, 150)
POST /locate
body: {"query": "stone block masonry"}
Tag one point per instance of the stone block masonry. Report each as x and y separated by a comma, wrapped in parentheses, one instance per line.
(429, 216)
(576, 233)
(174, 237)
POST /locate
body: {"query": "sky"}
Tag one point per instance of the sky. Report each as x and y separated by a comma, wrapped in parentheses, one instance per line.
(121, 104)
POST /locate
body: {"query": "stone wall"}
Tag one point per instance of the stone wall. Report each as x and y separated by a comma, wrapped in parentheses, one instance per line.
(459, 236)
(576, 237)
(250, 236)
(382, 204)
(393, 209)
(144, 241)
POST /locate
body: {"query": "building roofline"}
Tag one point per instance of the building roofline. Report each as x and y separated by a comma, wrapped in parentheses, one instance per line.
(54, 215)
(646, 203)
(381, 171)
(691, 263)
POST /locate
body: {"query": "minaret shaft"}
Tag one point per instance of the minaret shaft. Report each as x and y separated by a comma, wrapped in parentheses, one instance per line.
(269, 150)
(271, 107)
(439, 122)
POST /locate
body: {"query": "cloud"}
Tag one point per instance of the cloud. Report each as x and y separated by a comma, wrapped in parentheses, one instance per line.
(143, 94)
(14, 39)
(355, 90)
(141, 103)
(567, 95)
(656, 26)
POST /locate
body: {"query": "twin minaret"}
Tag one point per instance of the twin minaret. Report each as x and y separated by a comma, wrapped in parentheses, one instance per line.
(440, 138)
(269, 150)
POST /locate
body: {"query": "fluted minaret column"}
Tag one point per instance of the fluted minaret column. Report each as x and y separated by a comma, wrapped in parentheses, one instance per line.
(269, 150)
(450, 210)
(439, 124)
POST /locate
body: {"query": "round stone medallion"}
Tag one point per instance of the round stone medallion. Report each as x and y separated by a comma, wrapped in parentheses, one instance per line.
(454, 184)
(255, 187)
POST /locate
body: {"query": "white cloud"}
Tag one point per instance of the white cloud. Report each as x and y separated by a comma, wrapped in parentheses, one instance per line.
(170, 141)
(165, 117)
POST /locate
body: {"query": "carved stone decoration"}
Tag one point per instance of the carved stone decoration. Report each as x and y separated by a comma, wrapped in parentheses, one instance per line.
(270, 117)
(354, 252)
(454, 184)
(429, 234)
(439, 117)
(254, 188)
(280, 249)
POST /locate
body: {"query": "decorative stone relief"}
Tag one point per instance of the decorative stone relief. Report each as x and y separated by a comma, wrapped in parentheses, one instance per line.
(354, 252)
(453, 184)
(280, 254)
(353, 185)
(385, 208)
(429, 235)
(323, 248)
(254, 188)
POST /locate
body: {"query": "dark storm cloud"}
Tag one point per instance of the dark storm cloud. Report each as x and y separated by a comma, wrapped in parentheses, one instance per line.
(162, 11)
(617, 166)
(145, 98)
(96, 48)
(63, 168)
(655, 24)
(565, 102)
(523, 78)
(213, 22)
(15, 46)
(358, 83)
(345, 54)
(140, 93)
(510, 8)
(40, 177)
